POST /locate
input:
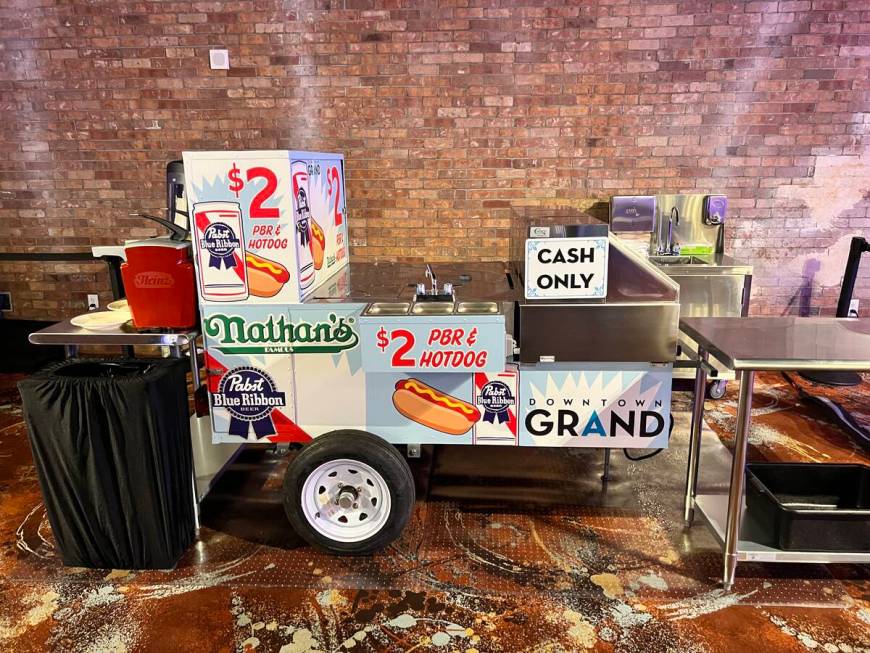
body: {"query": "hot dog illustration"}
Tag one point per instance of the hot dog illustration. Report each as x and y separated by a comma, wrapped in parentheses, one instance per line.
(430, 407)
(318, 244)
(265, 277)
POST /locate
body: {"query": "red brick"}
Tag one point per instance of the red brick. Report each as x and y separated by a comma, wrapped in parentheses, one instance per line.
(449, 116)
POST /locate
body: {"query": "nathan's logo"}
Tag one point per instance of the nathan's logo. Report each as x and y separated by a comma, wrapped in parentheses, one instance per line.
(155, 279)
(249, 395)
(278, 335)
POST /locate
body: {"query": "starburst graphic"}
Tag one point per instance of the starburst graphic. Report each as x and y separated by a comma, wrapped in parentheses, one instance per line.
(601, 393)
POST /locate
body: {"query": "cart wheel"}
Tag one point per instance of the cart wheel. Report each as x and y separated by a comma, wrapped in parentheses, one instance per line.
(716, 389)
(349, 492)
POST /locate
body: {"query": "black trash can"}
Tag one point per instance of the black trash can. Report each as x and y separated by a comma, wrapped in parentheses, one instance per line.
(111, 444)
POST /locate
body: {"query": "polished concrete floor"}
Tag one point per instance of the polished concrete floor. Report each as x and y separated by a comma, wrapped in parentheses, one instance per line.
(508, 550)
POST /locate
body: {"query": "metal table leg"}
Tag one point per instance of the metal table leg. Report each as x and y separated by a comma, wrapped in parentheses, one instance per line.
(738, 471)
(194, 371)
(696, 427)
(70, 351)
(175, 352)
(194, 364)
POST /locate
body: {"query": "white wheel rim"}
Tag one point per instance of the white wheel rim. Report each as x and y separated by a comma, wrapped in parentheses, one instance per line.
(346, 500)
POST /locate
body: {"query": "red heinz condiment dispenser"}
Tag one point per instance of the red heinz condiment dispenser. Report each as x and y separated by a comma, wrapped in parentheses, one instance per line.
(160, 284)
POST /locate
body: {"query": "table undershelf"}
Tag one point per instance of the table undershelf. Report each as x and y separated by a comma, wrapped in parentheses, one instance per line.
(714, 507)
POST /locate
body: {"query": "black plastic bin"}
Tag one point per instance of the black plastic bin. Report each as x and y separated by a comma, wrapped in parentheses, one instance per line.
(811, 506)
(111, 444)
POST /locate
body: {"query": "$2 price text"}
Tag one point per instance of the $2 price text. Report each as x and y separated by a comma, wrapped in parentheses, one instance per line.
(263, 236)
(445, 347)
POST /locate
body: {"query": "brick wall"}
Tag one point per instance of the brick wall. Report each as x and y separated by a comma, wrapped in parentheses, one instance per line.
(449, 113)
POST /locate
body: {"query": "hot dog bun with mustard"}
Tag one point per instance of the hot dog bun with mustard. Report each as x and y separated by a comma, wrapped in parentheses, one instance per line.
(265, 277)
(430, 407)
(318, 244)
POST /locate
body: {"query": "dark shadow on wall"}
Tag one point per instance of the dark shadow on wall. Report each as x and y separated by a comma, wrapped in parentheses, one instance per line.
(600, 210)
(801, 302)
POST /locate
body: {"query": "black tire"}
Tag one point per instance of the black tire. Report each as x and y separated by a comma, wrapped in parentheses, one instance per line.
(369, 449)
(716, 389)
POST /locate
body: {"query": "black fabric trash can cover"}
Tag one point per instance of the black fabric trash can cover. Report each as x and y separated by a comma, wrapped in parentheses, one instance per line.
(111, 445)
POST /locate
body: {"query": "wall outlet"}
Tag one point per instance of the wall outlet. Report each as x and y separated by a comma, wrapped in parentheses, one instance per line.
(93, 302)
(5, 301)
(219, 59)
(853, 308)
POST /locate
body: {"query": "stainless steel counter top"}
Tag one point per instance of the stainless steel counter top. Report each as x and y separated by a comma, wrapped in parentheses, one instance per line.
(783, 343)
(631, 280)
(368, 281)
(64, 333)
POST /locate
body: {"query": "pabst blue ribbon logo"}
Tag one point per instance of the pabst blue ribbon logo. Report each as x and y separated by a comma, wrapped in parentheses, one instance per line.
(249, 395)
(221, 242)
(496, 398)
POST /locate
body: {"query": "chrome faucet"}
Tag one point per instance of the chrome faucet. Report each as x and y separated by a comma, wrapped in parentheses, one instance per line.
(670, 248)
(431, 275)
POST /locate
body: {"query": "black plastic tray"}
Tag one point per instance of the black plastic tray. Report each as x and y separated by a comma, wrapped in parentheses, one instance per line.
(811, 506)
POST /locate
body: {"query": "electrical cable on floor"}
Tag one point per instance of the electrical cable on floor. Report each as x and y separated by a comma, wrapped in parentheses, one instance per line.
(843, 417)
(654, 452)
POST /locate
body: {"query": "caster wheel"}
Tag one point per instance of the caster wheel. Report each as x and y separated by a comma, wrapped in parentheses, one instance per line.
(716, 390)
(349, 492)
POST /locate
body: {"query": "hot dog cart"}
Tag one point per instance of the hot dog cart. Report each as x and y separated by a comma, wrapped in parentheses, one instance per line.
(569, 344)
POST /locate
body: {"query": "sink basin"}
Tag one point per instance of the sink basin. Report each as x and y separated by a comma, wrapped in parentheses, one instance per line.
(432, 308)
(477, 308)
(388, 308)
(678, 260)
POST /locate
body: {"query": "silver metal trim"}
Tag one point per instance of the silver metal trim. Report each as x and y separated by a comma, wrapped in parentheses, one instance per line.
(65, 333)
(713, 507)
(645, 263)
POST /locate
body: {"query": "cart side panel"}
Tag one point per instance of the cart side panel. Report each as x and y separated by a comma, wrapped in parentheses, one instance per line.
(595, 405)
(304, 360)
(285, 241)
(260, 186)
(294, 372)
(325, 239)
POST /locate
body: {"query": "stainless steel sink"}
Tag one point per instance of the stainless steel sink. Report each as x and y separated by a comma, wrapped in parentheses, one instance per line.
(477, 308)
(388, 308)
(678, 260)
(432, 308)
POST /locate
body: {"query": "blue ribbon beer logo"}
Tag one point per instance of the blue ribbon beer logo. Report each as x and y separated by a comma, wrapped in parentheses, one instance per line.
(221, 242)
(249, 395)
(496, 398)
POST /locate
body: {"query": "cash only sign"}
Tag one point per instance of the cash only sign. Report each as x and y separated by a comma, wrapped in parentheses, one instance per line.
(566, 268)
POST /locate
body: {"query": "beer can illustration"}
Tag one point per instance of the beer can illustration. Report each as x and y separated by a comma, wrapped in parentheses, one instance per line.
(302, 215)
(220, 246)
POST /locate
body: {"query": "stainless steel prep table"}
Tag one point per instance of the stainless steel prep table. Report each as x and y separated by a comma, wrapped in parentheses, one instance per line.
(714, 285)
(748, 345)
